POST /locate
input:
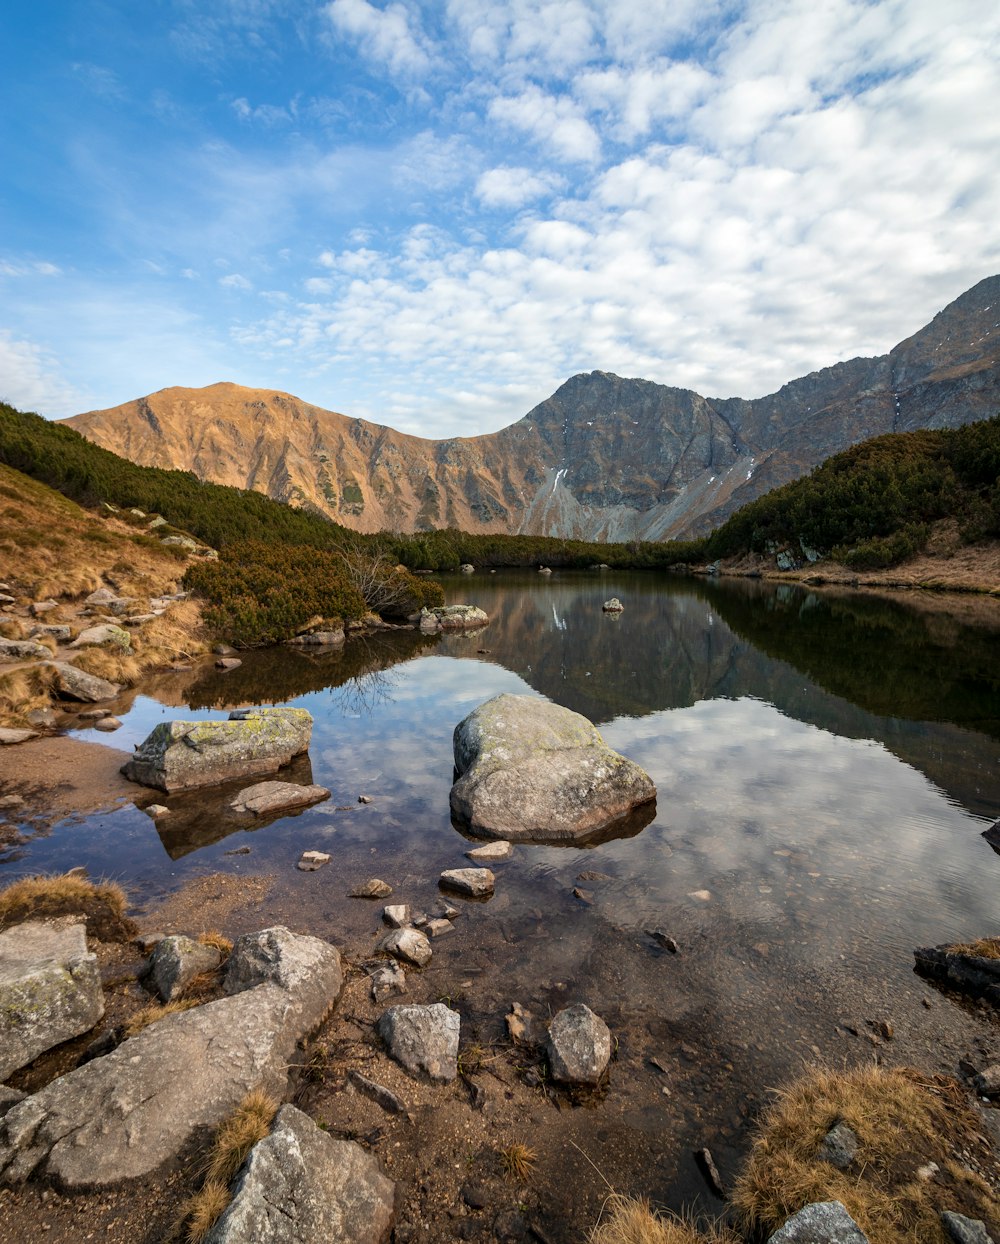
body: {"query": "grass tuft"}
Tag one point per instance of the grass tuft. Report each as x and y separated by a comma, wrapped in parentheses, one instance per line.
(518, 1161)
(103, 904)
(984, 948)
(214, 938)
(902, 1118)
(204, 1209)
(628, 1220)
(155, 1011)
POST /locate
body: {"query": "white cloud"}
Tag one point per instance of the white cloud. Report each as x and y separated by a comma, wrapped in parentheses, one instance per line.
(235, 281)
(31, 378)
(557, 123)
(384, 35)
(514, 187)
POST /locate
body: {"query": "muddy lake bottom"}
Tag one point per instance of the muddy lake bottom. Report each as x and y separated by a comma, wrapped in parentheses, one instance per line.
(825, 767)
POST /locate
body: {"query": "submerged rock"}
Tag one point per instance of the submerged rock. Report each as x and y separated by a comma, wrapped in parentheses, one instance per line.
(533, 771)
(179, 755)
(614, 605)
(266, 798)
(453, 618)
(475, 882)
(50, 989)
(300, 1186)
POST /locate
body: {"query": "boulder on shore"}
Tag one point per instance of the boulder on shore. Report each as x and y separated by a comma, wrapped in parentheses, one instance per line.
(533, 771)
(179, 755)
(453, 618)
(76, 684)
(50, 989)
(579, 1046)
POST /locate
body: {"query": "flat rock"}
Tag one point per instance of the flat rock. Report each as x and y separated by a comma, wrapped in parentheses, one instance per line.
(228, 663)
(475, 882)
(50, 989)
(75, 684)
(533, 771)
(408, 944)
(492, 852)
(176, 961)
(103, 636)
(21, 649)
(269, 797)
(60, 634)
(579, 1046)
(11, 734)
(387, 980)
(39, 607)
(180, 755)
(302, 1186)
(310, 861)
(134, 1111)
(423, 1039)
(439, 928)
(453, 618)
(822, 1222)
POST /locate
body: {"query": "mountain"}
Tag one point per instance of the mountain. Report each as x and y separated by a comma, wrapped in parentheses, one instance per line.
(603, 458)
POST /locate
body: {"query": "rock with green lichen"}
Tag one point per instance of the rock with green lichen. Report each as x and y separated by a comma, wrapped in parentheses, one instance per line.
(533, 771)
(179, 755)
(50, 989)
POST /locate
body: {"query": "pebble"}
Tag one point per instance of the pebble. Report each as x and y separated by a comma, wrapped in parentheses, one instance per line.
(375, 888)
(312, 860)
(438, 928)
(476, 882)
(107, 724)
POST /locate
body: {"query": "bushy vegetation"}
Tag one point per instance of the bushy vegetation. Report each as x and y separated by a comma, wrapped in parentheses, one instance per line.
(872, 505)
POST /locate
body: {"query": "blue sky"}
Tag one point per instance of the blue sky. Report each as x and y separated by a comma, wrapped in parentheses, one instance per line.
(431, 214)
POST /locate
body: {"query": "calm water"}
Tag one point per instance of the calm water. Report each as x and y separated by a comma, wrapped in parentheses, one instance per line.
(825, 767)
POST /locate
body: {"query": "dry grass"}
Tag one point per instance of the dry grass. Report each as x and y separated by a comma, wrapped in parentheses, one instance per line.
(518, 1161)
(627, 1220)
(249, 1123)
(985, 948)
(902, 1119)
(155, 1011)
(214, 938)
(23, 691)
(103, 904)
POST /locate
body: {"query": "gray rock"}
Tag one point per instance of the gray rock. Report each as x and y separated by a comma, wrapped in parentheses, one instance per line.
(408, 944)
(102, 597)
(387, 980)
(373, 888)
(39, 607)
(301, 1186)
(228, 663)
(179, 755)
(476, 882)
(45, 717)
(823, 1222)
(965, 1230)
(378, 1093)
(59, 633)
(156, 810)
(139, 619)
(453, 618)
(180, 542)
(74, 684)
(311, 861)
(176, 961)
(614, 605)
(439, 928)
(50, 989)
(397, 915)
(9, 1097)
(786, 561)
(492, 852)
(423, 1039)
(11, 734)
(319, 639)
(579, 1046)
(130, 1113)
(839, 1147)
(531, 770)
(103, 636)
(987, 1083)
(467, 568)
(269, 797)
(21, 649)
(224, 650)
(108, 724)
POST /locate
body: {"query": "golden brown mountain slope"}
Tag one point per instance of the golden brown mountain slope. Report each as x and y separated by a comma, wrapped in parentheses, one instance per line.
(602, 458)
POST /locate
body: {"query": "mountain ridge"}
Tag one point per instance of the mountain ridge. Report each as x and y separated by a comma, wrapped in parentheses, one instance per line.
(602, 458)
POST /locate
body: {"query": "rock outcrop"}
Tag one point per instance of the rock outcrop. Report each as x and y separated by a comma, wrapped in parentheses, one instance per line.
(179, 755)
(533, 771)
(50, 989)
(301, 1186)
(134, 1111)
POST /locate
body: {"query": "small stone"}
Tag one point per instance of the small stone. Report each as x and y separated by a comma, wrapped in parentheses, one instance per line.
(438, 928)
(579, 1046)
(176, 961)
(446, 911)
(397, 915)
(156, 810)
(224, 650)
(885, 1029)
(492, 852)
(664, 940)
(94, 714)
(423, 1039)
(965, 1230)
(585, 896)
(225, 664)
(987, 1083)
(387, 980)
(614, 605)
(378, 1093)
(310, 861)
(408, 944)
(711, 1172)
(107, 724)
(265, 798)
(364, 799)
(928, 1171)
(839, 1147)
(372, 889)
(703, 896)
(475, 882)
(9, 736)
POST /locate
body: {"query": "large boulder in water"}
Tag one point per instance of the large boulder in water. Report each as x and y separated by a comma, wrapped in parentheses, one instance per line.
(179, 755)
(533, 771)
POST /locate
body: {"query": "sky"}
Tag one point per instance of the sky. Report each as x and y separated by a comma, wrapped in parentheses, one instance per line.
(431, 214)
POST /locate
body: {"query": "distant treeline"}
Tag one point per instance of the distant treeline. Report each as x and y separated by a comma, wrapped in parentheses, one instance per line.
(873, 505)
